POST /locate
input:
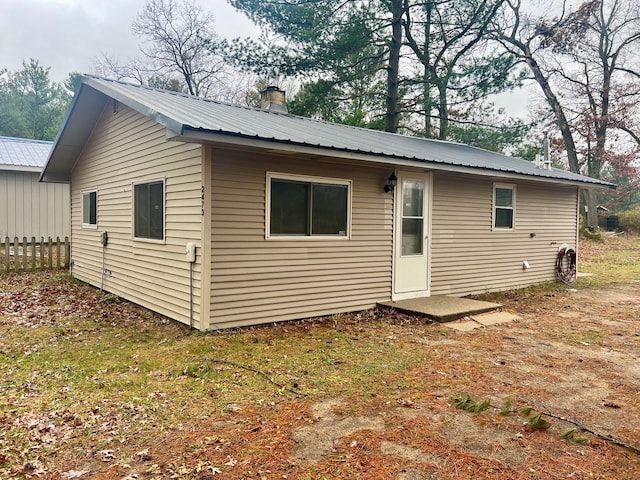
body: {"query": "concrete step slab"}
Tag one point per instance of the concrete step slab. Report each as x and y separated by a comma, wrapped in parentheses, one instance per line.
(463, 325)
(495, 318)
(442, 308)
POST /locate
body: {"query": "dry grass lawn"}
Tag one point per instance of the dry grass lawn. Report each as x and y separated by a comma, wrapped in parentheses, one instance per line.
(94, 387)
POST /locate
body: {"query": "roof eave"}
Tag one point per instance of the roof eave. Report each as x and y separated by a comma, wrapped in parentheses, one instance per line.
(162, 119)
(59, 163)
(20, 168)
(199, 136)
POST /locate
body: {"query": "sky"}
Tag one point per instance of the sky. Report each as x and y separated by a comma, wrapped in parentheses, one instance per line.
(68, 35)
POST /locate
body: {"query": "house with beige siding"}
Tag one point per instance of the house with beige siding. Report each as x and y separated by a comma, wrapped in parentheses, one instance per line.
(219, 215)
(29, 208)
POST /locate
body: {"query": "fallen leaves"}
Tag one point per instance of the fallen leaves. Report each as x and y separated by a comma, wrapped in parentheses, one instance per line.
(93, 387)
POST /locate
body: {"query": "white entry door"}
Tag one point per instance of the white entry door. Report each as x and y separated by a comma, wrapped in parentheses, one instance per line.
(411, 241)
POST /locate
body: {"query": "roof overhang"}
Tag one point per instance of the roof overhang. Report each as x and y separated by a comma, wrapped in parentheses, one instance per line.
(93, 94)
(20, 168)
(202, 136)
(77, 125)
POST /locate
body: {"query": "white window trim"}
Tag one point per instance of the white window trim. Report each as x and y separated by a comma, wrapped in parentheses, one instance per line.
(88, 225)
(512, 187)
(309, 179)
(162, 241)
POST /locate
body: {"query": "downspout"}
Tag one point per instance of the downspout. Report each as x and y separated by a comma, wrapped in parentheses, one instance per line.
(190, 251)
(191, 295)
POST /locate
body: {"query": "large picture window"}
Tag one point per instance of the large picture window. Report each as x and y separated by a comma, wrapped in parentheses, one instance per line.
(503, 206)
(148, 210)
(300, 206)
(90, 208)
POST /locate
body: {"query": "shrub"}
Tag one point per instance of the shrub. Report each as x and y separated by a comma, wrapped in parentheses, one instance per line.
(630, 220)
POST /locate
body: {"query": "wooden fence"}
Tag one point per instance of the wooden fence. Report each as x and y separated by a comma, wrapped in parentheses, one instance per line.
(27, 256)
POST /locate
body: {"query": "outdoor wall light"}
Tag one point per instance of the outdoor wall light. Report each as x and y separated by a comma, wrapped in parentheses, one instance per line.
(391, 183)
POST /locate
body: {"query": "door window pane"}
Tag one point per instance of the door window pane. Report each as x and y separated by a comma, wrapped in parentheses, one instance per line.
(412, 233)
(412, 198)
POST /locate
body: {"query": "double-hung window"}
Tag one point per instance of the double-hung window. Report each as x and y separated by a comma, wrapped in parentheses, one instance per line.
(504, 201)
(90, 208)
(148, 210)
(307, 206)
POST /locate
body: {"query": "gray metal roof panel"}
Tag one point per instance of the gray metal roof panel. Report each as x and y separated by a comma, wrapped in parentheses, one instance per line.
(181, 113)
(23, 152)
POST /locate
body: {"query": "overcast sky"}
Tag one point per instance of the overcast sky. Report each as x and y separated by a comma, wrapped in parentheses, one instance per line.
(67, 35)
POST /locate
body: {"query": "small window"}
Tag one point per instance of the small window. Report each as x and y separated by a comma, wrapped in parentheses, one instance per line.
(148, 210)
(89, 208)
(503, 206)
(308, 207)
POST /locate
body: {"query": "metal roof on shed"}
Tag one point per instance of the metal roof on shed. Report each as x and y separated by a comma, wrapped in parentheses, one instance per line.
(23, 153)
(198, 119)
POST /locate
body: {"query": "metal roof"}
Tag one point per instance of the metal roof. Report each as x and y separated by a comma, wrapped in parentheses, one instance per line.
(23, 153)
(197, 119)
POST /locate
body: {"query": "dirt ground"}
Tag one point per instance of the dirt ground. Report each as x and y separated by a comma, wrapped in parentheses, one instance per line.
(573, 356)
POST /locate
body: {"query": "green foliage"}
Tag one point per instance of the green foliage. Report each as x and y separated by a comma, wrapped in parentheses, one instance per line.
(347, 50)
(505, 407)
(536, 422)
(630, 220)
(31, 105)
(468, 404)
(497, 139)
(569, 434)
(342, 50)
(525, 411)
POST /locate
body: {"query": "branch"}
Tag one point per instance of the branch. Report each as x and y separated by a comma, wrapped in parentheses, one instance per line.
(599, 435)
(296, 392)
(627, 130)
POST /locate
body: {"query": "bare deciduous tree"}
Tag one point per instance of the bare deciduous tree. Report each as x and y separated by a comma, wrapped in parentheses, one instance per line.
(179, 50)
(585, 63)
(179, 38)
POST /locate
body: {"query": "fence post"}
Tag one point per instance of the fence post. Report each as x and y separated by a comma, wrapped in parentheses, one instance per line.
(16, 260)
(33, 254)
(57, 252)
(50, 251)
(67, 252)
(24, 253)
(7, 257)
(42, 264)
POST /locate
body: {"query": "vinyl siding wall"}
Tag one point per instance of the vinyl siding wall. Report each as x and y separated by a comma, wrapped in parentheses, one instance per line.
(29, 208)
(467, 257)
(124, 148)
(255, 280)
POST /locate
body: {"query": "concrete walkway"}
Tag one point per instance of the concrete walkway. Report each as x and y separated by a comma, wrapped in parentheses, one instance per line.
(442, 308)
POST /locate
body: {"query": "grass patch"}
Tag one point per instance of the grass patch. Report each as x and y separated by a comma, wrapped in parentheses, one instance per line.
(89, 381)
(615, 260)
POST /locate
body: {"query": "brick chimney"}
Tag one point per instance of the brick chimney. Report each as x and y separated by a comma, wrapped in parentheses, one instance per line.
(273, 99)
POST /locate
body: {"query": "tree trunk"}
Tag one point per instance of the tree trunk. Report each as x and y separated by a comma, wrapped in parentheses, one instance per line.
(443, 110)
(392, 117)
(590, 200)
(427, 72)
